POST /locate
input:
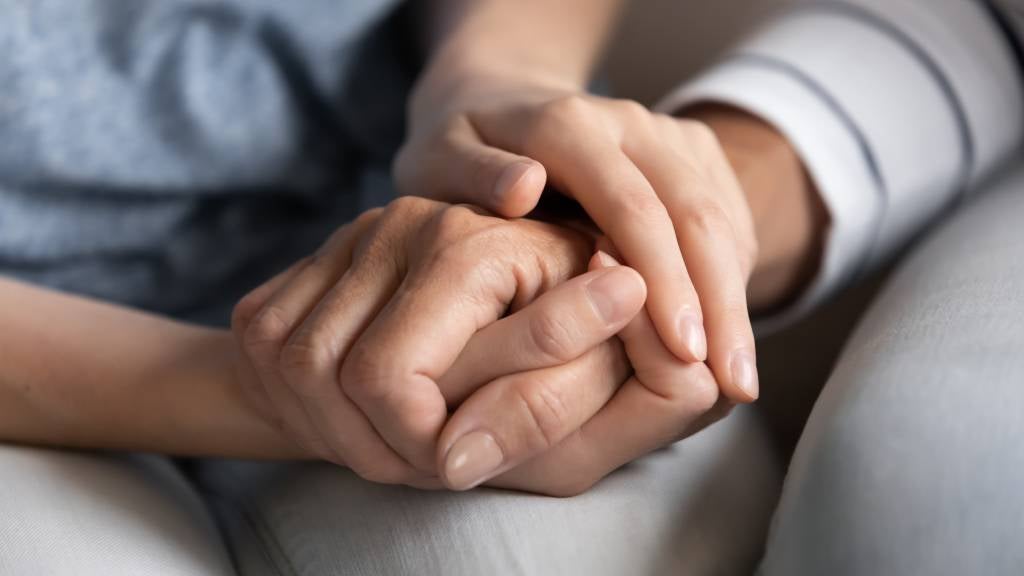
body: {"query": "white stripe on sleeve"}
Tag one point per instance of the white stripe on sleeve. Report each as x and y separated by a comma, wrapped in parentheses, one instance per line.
(896, 107)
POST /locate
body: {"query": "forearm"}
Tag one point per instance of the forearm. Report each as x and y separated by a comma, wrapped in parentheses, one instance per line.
(556, 43)
(80, 373)
(561, 39)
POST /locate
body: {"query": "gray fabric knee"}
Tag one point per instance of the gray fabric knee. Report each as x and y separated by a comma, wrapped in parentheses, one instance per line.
(84, 514)
(911, 460)
(701, 507)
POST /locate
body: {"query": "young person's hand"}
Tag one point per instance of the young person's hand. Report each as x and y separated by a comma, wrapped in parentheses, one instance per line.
(660, 187)
(359, 351)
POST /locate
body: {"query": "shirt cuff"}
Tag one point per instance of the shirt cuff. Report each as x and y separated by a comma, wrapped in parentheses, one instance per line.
(832, 153)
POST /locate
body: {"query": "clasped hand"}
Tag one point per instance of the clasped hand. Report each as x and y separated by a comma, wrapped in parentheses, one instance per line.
(438, 346)
(661, 188)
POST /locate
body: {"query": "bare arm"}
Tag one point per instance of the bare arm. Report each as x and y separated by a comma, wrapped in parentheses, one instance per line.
(565, 38)
(79, 373)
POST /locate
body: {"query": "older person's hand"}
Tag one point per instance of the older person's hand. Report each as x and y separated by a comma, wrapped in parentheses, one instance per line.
(358, 351)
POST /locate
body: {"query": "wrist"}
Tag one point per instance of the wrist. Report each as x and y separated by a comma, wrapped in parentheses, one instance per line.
(512, 43)
(454, 82)
(243, 427)
(468, 59)
(533, 41)
(205, 406)
(125, 381)
(789, 217)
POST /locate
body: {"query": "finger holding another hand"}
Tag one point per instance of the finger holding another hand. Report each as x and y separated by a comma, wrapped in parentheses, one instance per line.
(578, 139)
(555, 329)
(362, 349)
(660, 187)
(665, 400)
(715, 231)
(438, 336)
(293, 331)
(357, 347)
(543, 360)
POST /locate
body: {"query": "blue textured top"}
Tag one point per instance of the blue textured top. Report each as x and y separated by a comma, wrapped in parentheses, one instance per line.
(170, 154)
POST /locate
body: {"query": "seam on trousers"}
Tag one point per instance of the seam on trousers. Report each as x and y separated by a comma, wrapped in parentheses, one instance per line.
(185, 468)
(270, 547)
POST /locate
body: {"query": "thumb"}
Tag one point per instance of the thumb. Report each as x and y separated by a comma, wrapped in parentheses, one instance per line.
(458, 167)
(560, 326)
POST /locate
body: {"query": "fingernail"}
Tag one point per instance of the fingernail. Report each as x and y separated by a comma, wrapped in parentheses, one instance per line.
(744, 373)
(609, 291)
(471, 460)
(694, 338)
(510, 176)
(606, 259)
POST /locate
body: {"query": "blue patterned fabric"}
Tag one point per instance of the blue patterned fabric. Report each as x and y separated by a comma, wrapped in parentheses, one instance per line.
(169, 154)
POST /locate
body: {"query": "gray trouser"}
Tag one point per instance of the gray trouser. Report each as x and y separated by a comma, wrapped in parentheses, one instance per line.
(911, 463)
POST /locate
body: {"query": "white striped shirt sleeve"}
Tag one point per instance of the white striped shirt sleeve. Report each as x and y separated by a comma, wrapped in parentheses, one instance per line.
(897, 108)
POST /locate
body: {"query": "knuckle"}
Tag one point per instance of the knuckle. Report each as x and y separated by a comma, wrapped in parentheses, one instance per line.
(362, 374)
(454, 222)
(244, 311)
(633, 110)
(692, 177)
(381, 229)
(547, 413)
(644, 208)
(699, 133)
(367, 218)
(408, 205)
(705, 218)
(672, 133)
(461, 241)
(552, 337)
(570, 107)
(665, 120)
(266, 332)
(300, 360)
(547, 129)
